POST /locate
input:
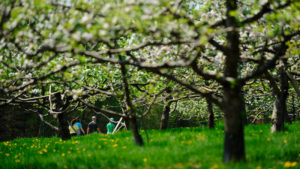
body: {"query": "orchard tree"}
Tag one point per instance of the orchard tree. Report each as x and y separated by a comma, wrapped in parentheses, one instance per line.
(227, 43)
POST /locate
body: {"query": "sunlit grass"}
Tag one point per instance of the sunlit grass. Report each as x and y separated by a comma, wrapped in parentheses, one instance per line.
(173, 148)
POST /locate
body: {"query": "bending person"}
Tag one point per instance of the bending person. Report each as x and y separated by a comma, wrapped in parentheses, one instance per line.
(110, 126)
(79, 125)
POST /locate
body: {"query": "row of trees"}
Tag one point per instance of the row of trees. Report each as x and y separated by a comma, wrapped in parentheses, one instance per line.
(63, 56)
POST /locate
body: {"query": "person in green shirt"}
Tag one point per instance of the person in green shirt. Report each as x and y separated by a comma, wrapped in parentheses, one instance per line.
(110, 126)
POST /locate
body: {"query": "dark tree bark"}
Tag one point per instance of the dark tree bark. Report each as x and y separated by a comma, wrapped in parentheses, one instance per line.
(211, 117)
(166, 114)
(134, 127)
(131, 113)
(234, 148)
(63, 126)
(279, 110)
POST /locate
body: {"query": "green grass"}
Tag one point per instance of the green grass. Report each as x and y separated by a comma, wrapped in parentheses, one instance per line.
(173, 148)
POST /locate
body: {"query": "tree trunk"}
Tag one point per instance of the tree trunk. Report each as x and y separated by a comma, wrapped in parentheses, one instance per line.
(63, 127)
(234, 149)
(134, 127)
(211, 118)
(166, 114)
(279, 109)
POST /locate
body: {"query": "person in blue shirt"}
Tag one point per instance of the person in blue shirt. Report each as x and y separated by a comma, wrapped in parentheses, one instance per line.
(79, 125)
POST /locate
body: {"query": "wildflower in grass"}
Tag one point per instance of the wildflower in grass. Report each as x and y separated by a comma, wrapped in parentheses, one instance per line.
(16, 156)
(115, 145)
(6, 143)
(89, 155)
(63, 154)
(60, 140)
(65, 166)
(145, 160)
(45, 150)
(289, 164)
(124, 147)
(179, 165)
(285, 141)
(83, 149)
(17, 160)
(69, 152)
(258, 167)
(40, 152)
(294, 164)
(99, 146)
(268, 139)
(54, 150)
(7, 154)
(214, 166)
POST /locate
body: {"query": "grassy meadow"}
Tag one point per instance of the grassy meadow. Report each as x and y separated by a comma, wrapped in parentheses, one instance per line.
(173, 148)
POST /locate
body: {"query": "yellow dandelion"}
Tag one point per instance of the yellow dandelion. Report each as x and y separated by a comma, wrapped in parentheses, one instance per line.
(7, 154)
(258, 167)
(65, 166)
(45, 150)
(214, 166)
(60, 140)
(285, 141)
(145, 160)
(287, 164)
(40, 152)
(268, 139)
(124, 147)
(63, 154)
(293, 164)
(54, 150)
(179, 165)
(190, 142)
(0, 152)
(17, 160)
(99, 146)
(69, 152)
(89, 155)
(16, 156)
(115, 145)
(83, 149)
